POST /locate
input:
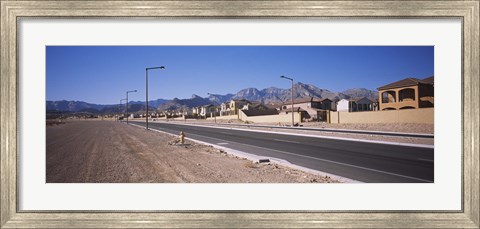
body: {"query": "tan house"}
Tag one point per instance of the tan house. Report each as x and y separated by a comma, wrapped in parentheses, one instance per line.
(409, 93)
(237, 104)
(207, 110)
(196, 110)
(225, 109)
(357, 104)
(255, 106)
(315, 108)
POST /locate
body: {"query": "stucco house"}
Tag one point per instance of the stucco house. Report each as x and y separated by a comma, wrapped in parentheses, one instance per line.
(237, 104)
(357, 104)
(408, 93)
(334, 104)
(316, 108)
(196, 110)
(207, 110)
(225, 109)
(255, 106)
(344, 105)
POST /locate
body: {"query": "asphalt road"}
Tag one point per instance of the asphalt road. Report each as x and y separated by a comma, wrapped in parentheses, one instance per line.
(362, 161)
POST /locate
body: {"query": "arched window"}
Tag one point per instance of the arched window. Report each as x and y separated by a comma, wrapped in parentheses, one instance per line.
(388, 97)
(407, 94)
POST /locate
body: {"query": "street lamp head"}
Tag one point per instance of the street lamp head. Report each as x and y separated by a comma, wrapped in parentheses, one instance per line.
(284, 77)
(134, 90)
(161, 67)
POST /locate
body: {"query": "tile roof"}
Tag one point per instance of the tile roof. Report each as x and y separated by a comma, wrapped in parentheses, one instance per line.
(256, 104)
(407, 82)
(273, 106)
(306, 100)
(428, 80)
(240, 100)
(358, 99)
(297, 109)
(260, 112)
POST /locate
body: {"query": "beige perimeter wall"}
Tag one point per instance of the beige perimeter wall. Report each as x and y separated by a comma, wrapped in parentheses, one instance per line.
(227, 117)
(422, 115)
(280, 118)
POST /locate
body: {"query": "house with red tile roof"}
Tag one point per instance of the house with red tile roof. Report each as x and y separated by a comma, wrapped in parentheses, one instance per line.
(408, 93)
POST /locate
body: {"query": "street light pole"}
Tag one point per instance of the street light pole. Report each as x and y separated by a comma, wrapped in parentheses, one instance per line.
(119, 108)
(126, 107)
(284, 77)
(214, 109)
(146, 92)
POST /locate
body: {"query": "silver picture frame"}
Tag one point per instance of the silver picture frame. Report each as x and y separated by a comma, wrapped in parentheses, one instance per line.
(12, 11)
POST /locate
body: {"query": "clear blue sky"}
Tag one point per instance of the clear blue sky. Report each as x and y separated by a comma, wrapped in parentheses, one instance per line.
(102, 74)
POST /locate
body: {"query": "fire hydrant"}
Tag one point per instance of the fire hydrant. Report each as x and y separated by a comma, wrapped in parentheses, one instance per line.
(182, 137)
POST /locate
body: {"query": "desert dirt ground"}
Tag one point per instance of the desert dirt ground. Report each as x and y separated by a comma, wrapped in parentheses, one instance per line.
(114, 152)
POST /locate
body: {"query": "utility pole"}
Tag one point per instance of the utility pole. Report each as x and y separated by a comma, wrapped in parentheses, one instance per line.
(146, 92)
(284, 77)
(214, 108)
(126, 107)
(120, 108)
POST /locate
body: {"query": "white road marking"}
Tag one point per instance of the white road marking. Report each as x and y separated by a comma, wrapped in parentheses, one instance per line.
(222, 143)
(280, 140)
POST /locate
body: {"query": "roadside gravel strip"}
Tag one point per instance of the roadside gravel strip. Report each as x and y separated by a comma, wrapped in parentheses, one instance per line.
(113, 152)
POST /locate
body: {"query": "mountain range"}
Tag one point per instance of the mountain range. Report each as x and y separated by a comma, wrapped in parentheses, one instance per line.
(271, 95)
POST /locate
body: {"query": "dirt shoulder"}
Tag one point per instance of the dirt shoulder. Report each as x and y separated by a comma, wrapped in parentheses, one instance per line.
(113, 152)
